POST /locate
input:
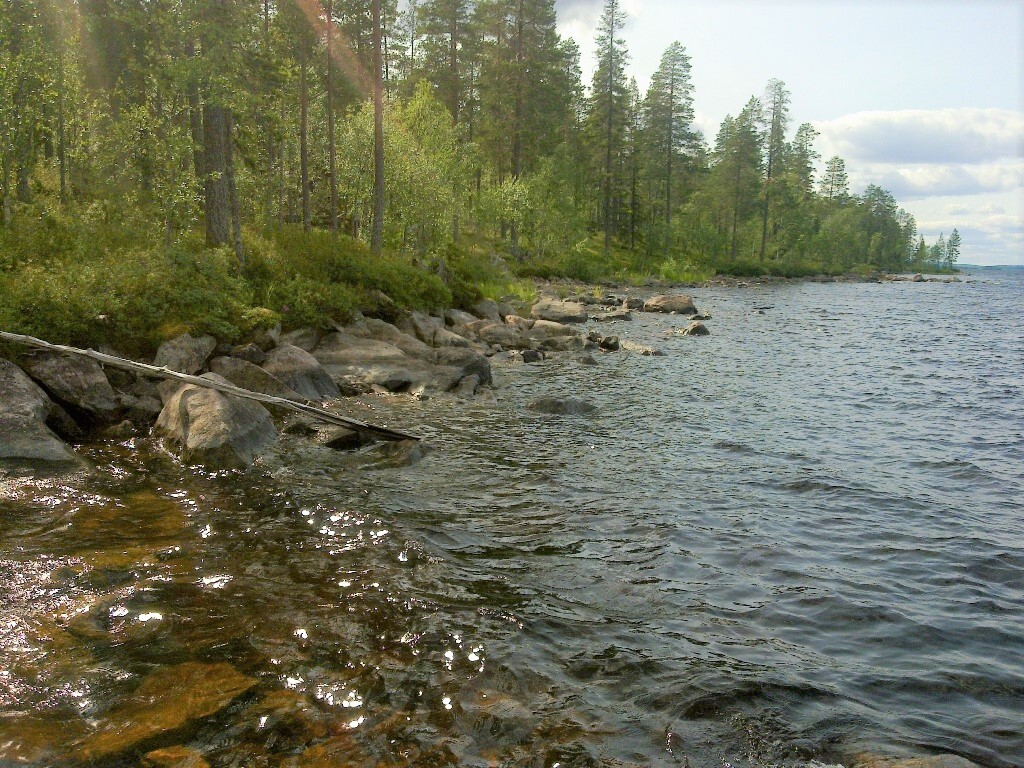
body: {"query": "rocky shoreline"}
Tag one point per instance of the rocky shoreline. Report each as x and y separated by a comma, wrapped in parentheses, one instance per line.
(52, 401)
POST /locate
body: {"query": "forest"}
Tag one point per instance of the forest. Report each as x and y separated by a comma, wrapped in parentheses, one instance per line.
(222, 164)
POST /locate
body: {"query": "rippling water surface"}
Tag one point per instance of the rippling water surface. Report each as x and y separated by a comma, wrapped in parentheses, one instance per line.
(796, 539)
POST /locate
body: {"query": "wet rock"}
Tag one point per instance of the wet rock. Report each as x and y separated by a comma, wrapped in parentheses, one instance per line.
(615, 315)
(917, 279)
(467, 388)
(633, 302)
(609, 343)
(246, 375)
(217, 430)
(532, 356)
(341, 438)
(680, 304)
(174, 757)
(251, 353)
(77, 383)
(301, 372)
(462, 363)
(696, 328)
(338, 752)
(641, 349)
(121, 431)
(559, 311)
(33, 739)
(24, 409)
(487, 309)
(564, 344)
(404, 453)
(938, 761)
(166, 701)
(140, 410)
(305, 339)
(586, 359)
(562, 406)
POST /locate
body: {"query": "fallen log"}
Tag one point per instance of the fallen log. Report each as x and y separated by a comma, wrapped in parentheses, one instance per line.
(153, 371)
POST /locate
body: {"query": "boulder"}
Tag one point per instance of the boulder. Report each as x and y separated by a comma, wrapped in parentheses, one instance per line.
(522, 323)
(504, 336)
(574, 343)
(559, 311)
(301, 372)
(633, 302)
(341, 438)
(642, 349)
(462, 363)
(167, 701)
(217, 430)
(248, 376)
(618, 314)
(141, 410)
(917, 279)
(266, 338)
(532, 356)
(458, 317)
(547, 329)
(609, 343)
(432, 332)
(468, 386)
(305, 339)
(586, 359)
(562, 406)
(487, 309)
(696, 328)
(378, 330)
(77, 383)
(251, 353)
(185, 354)
(679, 304)
(24, 409)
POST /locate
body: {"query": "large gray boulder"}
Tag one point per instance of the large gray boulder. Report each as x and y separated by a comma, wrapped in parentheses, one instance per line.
(301, 372)
(559, 311)
(244, 374)
(504, 336)
(487, 309)
(562, 406)
(24, 409)
(679, 304)
(546, 329)
(185, 354)
(219, 431)
(77, 383)
(431, 331)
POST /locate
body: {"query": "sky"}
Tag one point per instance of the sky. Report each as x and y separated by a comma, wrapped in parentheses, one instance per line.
(922, 97)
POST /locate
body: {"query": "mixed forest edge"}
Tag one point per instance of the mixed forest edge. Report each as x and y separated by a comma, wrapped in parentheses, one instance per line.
(222, 166)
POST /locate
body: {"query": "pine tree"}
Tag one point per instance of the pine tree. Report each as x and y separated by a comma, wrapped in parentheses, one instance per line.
(776, 116)
(834, 183)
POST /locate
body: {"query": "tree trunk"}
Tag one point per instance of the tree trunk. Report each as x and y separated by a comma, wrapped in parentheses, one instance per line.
(304, 136)
(331, 149)
(608, 137)
(229, 172)
(214, 162)
(377, 236)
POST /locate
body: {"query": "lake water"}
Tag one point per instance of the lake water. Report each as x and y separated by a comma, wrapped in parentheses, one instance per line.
(797, 539)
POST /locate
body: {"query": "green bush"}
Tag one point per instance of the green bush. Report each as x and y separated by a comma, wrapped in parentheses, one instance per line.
(302, 302)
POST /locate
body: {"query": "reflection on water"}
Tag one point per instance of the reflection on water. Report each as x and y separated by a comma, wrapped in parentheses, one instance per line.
(796, 539)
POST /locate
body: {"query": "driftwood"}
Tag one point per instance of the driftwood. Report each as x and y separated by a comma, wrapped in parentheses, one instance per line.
(163, 373)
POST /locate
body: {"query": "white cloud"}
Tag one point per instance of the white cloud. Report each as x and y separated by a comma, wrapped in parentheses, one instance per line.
(916, 136)
(919, 181)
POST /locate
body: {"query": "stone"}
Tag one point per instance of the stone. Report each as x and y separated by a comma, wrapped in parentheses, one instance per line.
(633, 302)
(563, 344)
(465, 362)
(680, 304)
(458, 317)
(305, 339)
(166, 701)
(937, 761)
(522, 323)
(142, 410)
(614, 315)
(266, 338)
(251, 353)
(246, 375)
(77, 383)
(378, 330)
(586, 359)
(917, 279)
(341, 438)
(24, 437)
(468, 386)
(487, 309)
(562, 406)
(609, 343)
(121, 431)
(432, 332)
(403, 453)
(696, 328)
(185, 354)
(504, 336)
(532, 356)
(642, 349)
(301, 372)
(559, 311)
(217, 430)
(174, 757)
(546, 329)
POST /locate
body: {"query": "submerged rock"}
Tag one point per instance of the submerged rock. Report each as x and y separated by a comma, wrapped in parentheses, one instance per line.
(217, 430)
(679, 304)
(642, 349)
(938, 761)
(174, 757)
(562, 406)
(696, 328)
(301, 372)
(167, 700)
(24, 410)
